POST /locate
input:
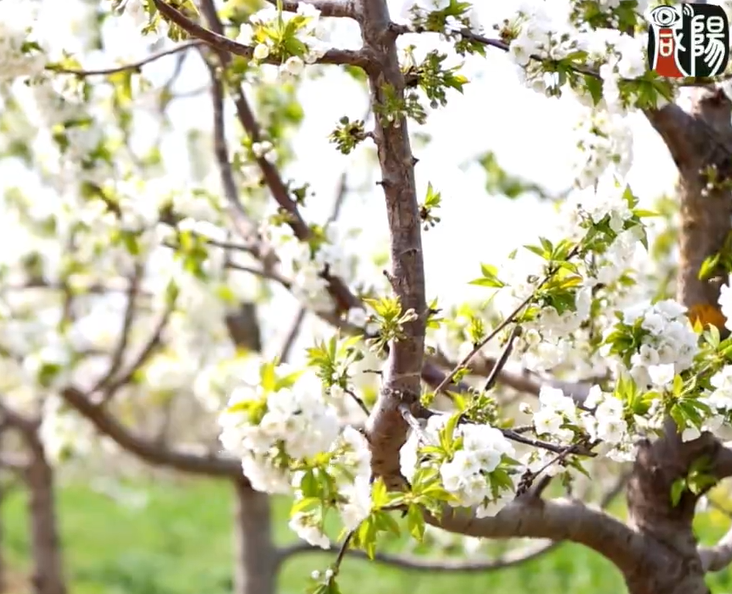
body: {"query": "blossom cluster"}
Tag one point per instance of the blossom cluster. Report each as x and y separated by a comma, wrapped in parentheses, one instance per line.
(288, 436)
(276, 35)
(604, 140)
(559, 419)
(719, 401)
(267, 427)
(541, 30)
(21, 58)
(418, 13)
(480, 471)
(347, 473)
(305, 264)
(660, 334)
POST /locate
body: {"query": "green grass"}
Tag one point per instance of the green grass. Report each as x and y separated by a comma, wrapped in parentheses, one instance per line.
(180, 543)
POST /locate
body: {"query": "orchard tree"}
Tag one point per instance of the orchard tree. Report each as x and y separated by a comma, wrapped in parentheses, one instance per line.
(130, 314)
(624, 372)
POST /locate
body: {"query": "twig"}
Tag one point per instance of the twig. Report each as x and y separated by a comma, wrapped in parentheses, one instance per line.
(24, 423)
(124, 337)
(132, 66)
(412, 421)
(341, 553)
(441, 565)
(358, 400)
(266, 274)
(292, 335)
(509, 318)
(241, 218)
(340, 292)
(146, 352)
(503, 46)
(545, 445)
(530, 477)
(342, 188)
(503, 359)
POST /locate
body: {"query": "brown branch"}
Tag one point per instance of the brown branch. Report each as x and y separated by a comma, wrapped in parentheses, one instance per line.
(415, 563)
(136, 66)
(502, 359)
(524, 382)
(697, 140)
(243, 326)
(722, 462)
(292, 335)
(558, 520)
(148, 450)
(327, 8)
(386, 429)
(26, 424)
(129, 317)
(240, 217)
(702, 139)
(719, 556)
(337, 288)
(411, 562)
(222, 43)
(144, 355)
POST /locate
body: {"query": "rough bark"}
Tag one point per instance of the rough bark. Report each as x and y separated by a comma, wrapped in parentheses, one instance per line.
(254, 550)
(386, 430)
(697, 140)
(48, 573)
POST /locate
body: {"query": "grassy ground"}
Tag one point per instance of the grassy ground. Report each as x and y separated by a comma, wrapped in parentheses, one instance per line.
(180, 543)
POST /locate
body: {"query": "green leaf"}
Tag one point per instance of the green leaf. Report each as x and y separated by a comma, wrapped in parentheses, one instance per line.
(308, 504)
(643, 214)
(267, 376)
(415, 522)
(379, 493)
(594, 87)
(677, 490)
(448, 431)
(708, 266)
(385, 522)
(678, 385)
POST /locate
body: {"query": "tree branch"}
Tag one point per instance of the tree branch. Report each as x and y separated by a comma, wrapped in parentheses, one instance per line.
(147, 450)
(222, 43)
(719, 556)
(136, 66)
(558, 520)
(113, 386)
(26, 424)
(129, 317)
(327, 8)
(337, 288)
(415, 563)
(240, 217)
(722, 462)
(386, 430)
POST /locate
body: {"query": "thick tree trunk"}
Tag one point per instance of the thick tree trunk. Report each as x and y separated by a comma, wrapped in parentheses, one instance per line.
(705, 202)
(255, 560)
(699, 142)
(48, 574)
